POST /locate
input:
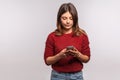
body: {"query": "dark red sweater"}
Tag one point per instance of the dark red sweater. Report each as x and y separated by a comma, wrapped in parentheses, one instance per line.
(54, 44)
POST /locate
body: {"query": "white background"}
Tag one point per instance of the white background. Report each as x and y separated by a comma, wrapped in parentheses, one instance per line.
(25, 24)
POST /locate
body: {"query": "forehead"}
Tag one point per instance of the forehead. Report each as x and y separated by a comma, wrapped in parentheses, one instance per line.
(68, 14)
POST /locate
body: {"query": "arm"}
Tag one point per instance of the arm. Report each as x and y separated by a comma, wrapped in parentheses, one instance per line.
(53, 59)
(79, 55)
(84, 54)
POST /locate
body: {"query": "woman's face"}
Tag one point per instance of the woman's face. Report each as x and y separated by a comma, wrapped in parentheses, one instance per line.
(67, 21)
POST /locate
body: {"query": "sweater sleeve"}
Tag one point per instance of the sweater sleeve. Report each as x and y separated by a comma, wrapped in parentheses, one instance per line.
(49, 47)
(85, 46)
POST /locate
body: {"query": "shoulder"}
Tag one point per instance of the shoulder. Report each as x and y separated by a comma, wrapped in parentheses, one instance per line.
(51, 34)
(85, 38)
(50, 37)
(84, 34)
(83, 31)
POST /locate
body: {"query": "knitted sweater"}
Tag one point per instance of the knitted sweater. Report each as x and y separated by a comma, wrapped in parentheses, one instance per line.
(54, 44)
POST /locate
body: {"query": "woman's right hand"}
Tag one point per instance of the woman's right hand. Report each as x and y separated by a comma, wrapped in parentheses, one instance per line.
(63, 53)
(53, 59)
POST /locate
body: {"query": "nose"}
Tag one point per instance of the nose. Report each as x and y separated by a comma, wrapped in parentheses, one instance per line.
(68, 21)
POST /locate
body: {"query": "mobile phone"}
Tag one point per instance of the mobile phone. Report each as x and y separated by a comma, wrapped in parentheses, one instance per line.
(70, 47)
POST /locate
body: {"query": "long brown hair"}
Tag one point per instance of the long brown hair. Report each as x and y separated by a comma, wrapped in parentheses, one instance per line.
(71, 8)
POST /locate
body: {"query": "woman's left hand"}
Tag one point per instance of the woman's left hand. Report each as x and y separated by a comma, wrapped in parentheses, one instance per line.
(74, 52)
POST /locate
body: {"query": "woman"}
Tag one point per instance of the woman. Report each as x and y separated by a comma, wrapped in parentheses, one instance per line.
(67, 48)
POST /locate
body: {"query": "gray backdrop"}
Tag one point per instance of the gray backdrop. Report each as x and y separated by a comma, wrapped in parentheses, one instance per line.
(25, 24)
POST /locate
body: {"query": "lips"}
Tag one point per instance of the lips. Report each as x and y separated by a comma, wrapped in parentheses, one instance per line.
(67, 25)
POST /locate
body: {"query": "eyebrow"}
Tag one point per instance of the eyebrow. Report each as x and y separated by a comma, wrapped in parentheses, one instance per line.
(65, 16)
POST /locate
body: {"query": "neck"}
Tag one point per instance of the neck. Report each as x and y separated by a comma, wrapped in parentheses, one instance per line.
(67, 31)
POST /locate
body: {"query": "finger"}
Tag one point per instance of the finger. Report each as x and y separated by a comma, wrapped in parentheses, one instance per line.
(65, 55)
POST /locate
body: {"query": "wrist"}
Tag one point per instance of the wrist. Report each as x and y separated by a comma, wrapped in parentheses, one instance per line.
(60, 55)
(78, 55)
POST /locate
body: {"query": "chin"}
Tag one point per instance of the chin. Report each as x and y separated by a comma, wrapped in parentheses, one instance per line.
(68, 28)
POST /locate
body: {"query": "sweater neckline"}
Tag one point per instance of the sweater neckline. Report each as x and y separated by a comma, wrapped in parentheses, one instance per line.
(68, 34)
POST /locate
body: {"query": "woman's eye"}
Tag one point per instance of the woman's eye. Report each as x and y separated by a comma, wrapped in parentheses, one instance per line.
(71, 18)
(64, 18)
